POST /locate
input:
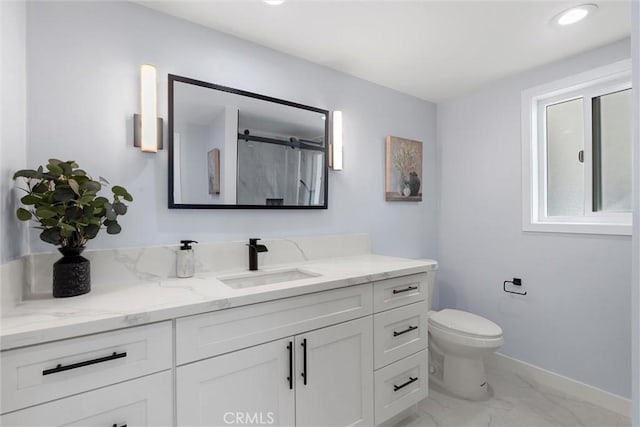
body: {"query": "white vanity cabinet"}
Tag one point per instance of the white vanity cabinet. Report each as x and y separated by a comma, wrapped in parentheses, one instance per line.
(350, 356)
(400, 336)
(115, 378)
(318, 378)
(318, 373)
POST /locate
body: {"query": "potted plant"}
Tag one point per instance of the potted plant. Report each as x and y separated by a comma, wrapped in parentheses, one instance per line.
(64, 201)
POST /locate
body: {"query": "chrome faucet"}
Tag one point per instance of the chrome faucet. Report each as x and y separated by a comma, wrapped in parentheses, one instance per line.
(254, 248)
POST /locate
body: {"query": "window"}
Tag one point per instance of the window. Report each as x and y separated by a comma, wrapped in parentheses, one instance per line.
(576, 153)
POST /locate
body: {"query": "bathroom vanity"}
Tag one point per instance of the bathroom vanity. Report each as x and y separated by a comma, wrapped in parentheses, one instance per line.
(341, 342)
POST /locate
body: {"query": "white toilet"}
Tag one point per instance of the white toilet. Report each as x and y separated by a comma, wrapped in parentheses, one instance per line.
(458, 342)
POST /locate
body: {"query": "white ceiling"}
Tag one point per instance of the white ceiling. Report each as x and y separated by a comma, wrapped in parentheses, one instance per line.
(435, 50)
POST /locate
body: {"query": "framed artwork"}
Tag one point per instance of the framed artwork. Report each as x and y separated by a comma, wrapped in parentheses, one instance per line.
(403, 170)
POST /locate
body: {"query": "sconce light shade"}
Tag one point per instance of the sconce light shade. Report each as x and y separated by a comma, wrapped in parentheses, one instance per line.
(147, 126)
(335, 152)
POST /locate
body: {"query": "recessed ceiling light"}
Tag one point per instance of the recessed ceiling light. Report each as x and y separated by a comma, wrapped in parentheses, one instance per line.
(273, 2)
(575, 14)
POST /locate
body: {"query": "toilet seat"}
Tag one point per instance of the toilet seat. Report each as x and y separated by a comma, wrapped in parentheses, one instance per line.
(465, 328)
(464, 323)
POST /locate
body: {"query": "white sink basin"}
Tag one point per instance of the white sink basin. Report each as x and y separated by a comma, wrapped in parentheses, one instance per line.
(261, 278)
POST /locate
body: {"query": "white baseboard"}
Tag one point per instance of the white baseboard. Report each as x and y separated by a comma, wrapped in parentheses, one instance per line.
(582, 391)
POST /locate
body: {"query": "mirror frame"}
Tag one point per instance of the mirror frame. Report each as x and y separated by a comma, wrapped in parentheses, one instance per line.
(172, 205)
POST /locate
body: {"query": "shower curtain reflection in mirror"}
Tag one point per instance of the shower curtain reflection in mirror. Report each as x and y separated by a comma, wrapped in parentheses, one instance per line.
(279, 175)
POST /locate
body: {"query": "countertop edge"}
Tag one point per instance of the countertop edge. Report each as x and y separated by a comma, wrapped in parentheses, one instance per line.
(10, 341)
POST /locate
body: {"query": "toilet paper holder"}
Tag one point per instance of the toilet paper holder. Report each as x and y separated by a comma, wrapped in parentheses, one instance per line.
(515, 282)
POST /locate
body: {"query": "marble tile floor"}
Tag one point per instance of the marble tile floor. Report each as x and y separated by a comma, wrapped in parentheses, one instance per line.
(516, 402)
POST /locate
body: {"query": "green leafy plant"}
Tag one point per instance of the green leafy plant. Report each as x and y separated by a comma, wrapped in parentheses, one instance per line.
(64, 200)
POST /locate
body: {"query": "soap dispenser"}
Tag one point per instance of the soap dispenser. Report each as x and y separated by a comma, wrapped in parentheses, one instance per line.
(185, 261)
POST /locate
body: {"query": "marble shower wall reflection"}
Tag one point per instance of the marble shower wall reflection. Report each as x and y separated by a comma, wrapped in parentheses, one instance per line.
(278, 175)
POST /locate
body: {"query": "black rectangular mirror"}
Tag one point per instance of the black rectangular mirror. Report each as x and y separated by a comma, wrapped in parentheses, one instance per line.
(229, 148)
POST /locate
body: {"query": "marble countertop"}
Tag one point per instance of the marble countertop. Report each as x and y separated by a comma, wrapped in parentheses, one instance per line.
(120, 306)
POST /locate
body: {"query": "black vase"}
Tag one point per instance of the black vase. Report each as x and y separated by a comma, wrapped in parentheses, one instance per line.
(414, 183)
(71, 274)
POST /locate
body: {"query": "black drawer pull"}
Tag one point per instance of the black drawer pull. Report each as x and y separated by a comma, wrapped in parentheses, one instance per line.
(116, 425)
(290, 377)
(409, 329)
(399, 291)
(411, 380)
(304, 373)
(61, 368)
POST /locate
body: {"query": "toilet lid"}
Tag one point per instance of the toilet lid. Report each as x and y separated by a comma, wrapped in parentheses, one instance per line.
(466, 323)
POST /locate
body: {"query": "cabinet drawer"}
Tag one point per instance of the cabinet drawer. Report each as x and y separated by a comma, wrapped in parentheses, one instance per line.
(399, 333)
(41, 373)
(392, 293)
(211, 334)
(400, 385)
(142, 402)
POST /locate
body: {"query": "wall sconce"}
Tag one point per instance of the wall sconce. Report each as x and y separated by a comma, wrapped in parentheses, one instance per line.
(335, 147)
(147, 127)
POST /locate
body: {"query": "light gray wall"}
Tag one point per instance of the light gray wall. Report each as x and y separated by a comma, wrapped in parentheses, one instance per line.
(576, 320)
(12, 125)
(84, 60)
(635, 283)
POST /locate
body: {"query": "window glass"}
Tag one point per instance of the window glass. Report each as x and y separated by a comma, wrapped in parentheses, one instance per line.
(565, 172)
(577, 153)
(612, 152)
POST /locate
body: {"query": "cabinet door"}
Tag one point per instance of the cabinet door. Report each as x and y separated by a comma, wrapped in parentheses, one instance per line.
(334, 385)
(142, 402)
(246, 387)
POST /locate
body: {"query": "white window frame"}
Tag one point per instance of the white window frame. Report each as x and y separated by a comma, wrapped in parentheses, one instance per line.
(599, 81)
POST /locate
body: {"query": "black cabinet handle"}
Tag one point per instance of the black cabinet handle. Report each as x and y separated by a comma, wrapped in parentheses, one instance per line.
(61, 368)
(304, 361)
(411, 380)
(399, 291)
(409, 329)
(290, 377)
(116, 425)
